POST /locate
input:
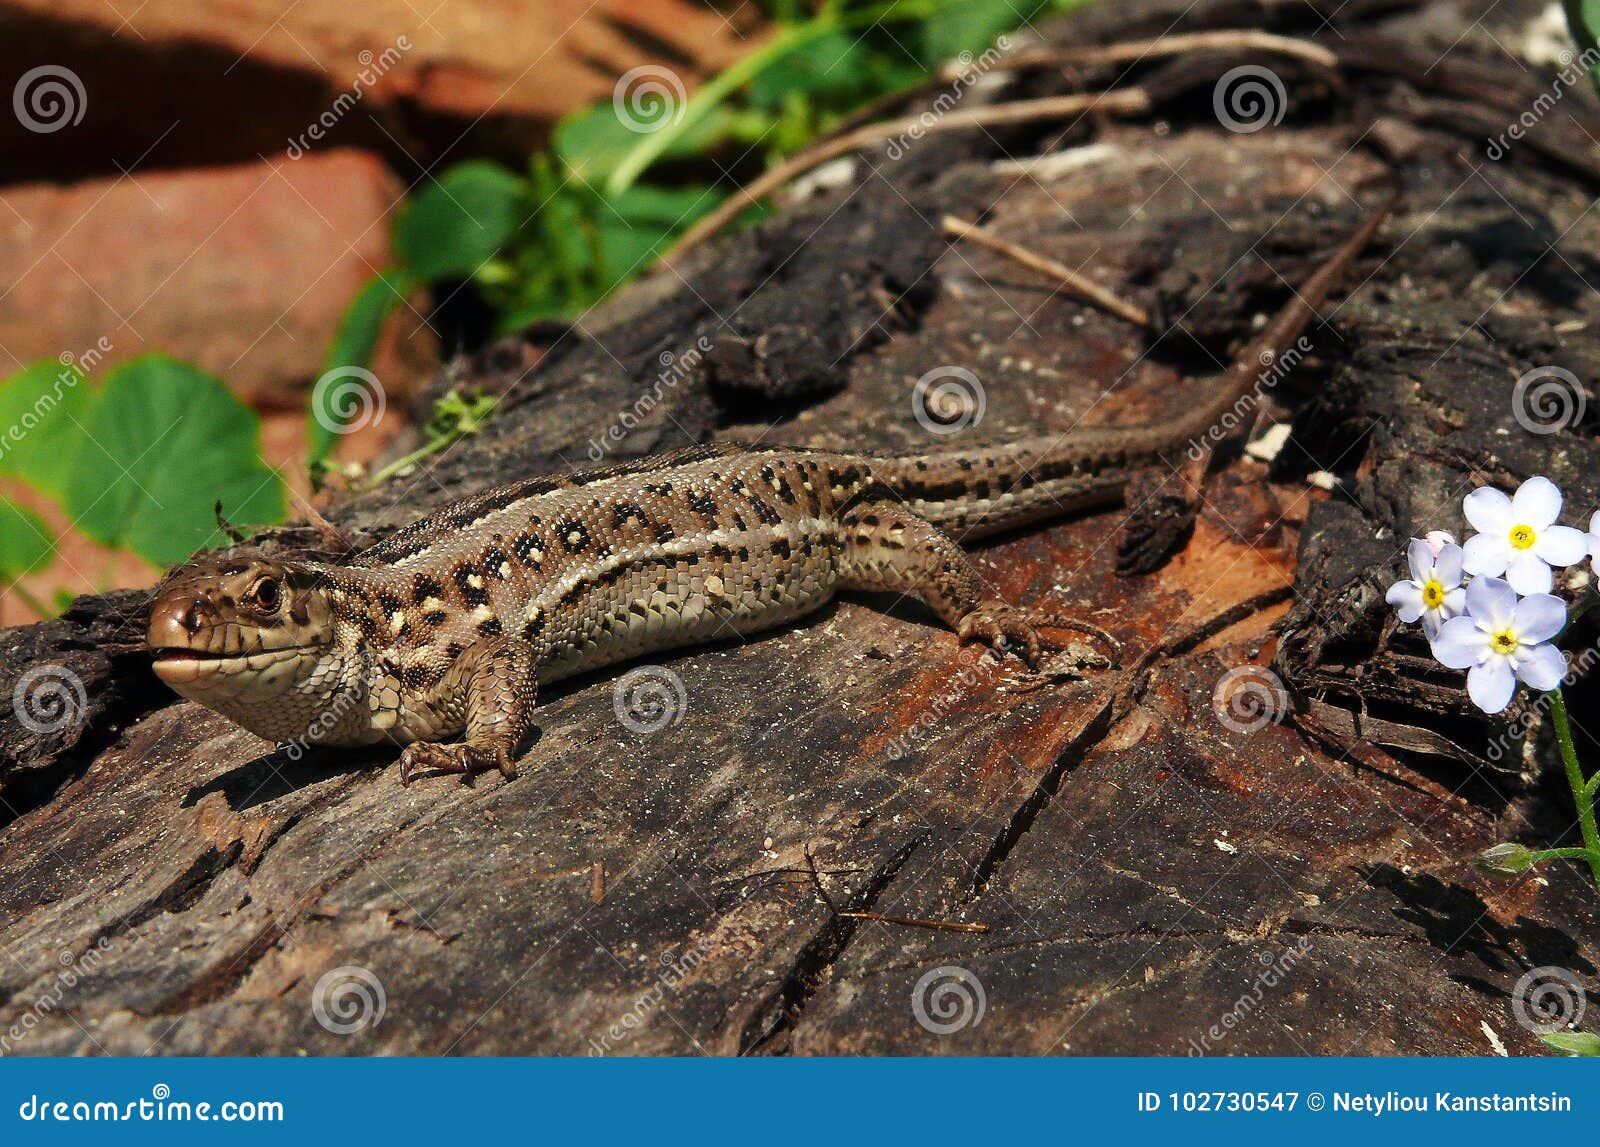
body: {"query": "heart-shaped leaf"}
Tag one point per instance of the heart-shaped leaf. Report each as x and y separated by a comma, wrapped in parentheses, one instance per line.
(162, 446)
(25, 542)
(42, 411)
(456, 224)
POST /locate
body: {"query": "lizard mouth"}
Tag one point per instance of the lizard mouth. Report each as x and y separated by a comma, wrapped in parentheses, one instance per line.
(175, 664)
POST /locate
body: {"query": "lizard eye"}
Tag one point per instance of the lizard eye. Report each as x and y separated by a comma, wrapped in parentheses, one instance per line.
(266, 594)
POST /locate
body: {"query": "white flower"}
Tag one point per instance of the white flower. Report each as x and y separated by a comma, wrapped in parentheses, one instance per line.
(1519, 536)
(1434, 592)
(1594, 536)
(1501, 640)
(1437, 540)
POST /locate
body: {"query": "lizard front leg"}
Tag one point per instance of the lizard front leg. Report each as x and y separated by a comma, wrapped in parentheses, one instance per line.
(501, 682)
(887, 548)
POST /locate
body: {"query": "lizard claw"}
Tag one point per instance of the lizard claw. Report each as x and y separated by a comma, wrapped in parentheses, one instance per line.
(1006, 629)
(465, 759)
(1003, 628)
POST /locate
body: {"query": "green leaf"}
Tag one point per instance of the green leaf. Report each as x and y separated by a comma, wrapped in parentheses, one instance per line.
(1583, 20)
(42, 410)
(1572, 1043)
(593, 141)
(835, 64)
(353, 345)
(25, 542)
(637, 224)
(971, 26)
(164, 444)
(460, 221)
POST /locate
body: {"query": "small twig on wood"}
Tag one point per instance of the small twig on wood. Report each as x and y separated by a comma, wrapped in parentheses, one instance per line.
(1076, 284)
(597, 890)
(908, 921)
(332, 536)
(227, 527)
(1128, 101)
(1133, 51)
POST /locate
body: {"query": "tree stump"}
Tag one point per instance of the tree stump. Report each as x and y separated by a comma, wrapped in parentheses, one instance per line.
(1252, 836)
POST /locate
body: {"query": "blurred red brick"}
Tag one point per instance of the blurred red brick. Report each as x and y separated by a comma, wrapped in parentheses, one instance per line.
(189, 82)
(243, 270)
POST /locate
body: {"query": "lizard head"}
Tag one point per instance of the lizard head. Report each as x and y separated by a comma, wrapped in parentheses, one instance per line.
(252, 639)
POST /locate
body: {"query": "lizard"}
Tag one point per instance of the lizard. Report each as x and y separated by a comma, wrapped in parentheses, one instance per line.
(451, 624)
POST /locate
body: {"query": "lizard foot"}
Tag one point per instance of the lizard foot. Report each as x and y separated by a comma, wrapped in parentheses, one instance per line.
(1006, 629)
(465, 759)
(1003, 628)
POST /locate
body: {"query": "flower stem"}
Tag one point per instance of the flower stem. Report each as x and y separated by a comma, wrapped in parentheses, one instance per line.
(1560, 854)
(1581, 792)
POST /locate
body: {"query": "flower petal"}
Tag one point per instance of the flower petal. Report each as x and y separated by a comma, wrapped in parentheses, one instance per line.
(1491, 602)
(1460, 643)
(1537, 502)
(1488, 510)
(1486, 555)
(1420, 560)
(1491, 684)
(1447, 565)
(1528, 573)
(1432, 622)
(1455, 602)
(1561, 545)
(1438, 540)
(1539, 618)
(1543, 667)
(1406, 597)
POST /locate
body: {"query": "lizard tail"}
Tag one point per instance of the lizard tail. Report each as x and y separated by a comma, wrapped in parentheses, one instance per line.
(979, 491)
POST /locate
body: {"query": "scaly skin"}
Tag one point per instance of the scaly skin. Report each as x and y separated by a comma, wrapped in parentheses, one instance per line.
(450, 625)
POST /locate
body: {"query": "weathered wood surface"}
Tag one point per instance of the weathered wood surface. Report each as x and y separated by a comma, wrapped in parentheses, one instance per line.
(1141, 866)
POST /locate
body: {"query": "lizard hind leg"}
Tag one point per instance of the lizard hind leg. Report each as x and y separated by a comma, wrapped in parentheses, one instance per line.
(501, 685)
(889, 549)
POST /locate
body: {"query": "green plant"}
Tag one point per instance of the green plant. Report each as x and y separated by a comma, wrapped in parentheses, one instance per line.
(581, 220)
(138, 463)
(1583, 22)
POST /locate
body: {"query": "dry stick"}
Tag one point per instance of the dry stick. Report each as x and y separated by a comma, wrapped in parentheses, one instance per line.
(1075, 283)
(332, 536)
(1128, 101)
(1132, 51)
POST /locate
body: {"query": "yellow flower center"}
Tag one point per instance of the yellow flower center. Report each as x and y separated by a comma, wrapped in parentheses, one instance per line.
(1504, 642)
(1523, 537)
(1432, 593)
